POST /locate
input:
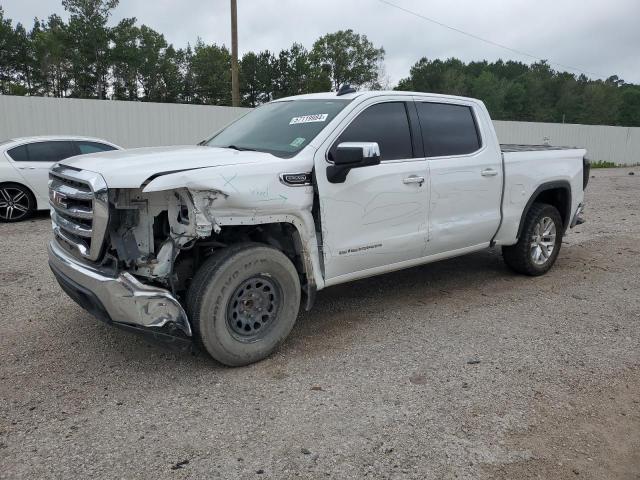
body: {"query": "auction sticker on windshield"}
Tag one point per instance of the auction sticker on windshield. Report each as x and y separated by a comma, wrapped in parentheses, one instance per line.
(318, 117)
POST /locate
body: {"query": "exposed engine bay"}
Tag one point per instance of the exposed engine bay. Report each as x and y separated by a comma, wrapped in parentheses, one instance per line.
(163, 237)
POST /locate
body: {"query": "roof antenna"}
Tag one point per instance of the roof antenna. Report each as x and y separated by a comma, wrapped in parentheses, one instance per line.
(344, 89)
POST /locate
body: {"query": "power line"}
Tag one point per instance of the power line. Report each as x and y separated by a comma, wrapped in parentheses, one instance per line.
(490, 42)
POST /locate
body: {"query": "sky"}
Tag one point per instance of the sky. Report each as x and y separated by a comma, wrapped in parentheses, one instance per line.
(597, 37)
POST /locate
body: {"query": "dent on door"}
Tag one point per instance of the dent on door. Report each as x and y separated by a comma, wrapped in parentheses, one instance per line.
(375, 219)
(464, 209)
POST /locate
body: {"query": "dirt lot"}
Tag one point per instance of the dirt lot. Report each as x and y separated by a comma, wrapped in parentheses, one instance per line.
(459, 369)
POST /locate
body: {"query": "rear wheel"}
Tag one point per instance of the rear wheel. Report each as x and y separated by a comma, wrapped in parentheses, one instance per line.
(539, 243)
(243, 302)
(17, 203)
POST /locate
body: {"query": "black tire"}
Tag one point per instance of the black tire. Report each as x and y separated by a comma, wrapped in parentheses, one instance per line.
(219, 291)
(17, 203)
(520, 257)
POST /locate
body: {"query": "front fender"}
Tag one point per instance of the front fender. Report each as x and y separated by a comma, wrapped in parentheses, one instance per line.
(238, 196)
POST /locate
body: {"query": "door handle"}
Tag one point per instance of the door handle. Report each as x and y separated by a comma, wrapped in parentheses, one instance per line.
(26, 168)
(413, 179)
(489, 172)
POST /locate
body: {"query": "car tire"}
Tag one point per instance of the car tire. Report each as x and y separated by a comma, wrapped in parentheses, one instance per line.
(539, 243)
(243, 302)
(17, 203)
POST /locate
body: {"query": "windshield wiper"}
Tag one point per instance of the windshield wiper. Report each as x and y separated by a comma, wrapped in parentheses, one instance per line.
(241, 149)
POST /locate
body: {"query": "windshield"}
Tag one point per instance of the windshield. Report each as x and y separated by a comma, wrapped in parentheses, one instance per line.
(280, 128)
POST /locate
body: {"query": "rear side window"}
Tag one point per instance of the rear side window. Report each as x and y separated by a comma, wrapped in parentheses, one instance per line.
(50, 151)
(19, 154)
(93, 147)
(384, 123)
(448, 129)
(43, 152)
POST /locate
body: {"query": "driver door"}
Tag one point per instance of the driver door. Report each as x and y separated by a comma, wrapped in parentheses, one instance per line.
(378, 216)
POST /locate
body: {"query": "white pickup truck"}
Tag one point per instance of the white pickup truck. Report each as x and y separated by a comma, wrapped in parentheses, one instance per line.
(218, 245)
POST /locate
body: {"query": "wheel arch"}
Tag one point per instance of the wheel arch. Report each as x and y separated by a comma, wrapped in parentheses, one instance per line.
(556, 193)
(288, 235)
(21, 184)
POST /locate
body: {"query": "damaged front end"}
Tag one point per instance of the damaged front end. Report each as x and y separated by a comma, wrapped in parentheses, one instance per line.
(148, 231)
(114, 251)
(130, 254)
(121, 300)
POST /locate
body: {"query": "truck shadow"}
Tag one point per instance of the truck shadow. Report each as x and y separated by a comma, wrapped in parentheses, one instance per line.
(338, 311)
(341, 308)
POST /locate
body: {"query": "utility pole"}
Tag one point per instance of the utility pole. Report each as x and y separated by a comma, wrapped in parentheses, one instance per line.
(235, 86)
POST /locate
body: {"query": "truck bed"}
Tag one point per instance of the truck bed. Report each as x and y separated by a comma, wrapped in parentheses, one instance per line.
(511, 148)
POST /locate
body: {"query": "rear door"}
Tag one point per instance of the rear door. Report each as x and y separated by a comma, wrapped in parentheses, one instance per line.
(378, 215)
(33, 161)
(465, 172)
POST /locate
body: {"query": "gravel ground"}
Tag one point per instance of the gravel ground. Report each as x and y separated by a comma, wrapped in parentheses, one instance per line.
(458, 369)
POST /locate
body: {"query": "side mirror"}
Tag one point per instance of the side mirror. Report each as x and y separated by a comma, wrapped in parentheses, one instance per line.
(350, 155)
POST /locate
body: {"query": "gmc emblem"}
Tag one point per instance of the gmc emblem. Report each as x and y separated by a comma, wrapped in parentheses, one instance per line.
(58, 199)
(296, 179)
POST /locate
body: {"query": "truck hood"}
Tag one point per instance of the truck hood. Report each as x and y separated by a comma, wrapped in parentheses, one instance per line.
(132, 168)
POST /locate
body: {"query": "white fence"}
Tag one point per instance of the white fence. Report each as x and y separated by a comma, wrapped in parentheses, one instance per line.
(128, 124)
(620, 145)
(139, 124)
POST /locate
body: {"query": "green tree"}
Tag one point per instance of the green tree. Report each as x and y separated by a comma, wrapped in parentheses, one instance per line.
(211, 70)
(630, 108)
(52, 66)
(515, 102)
(125, 59)
(151, 50)
(349, 58)
(184, 60)
(491, 90)
(171, 76)
(517, 91)
(429, 76)
(23, 59)
(569, 103)
(601, 101)
(257, 78)
(296, 74)
(89, 45)
(8, 45)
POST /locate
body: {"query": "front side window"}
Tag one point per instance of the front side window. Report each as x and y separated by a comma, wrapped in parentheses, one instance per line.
(384, 123)
(280, 128)
(448, 129)
(43, 152)
(93, 147)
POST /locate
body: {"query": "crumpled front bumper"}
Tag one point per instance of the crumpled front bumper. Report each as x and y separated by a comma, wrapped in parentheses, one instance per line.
(121, 300)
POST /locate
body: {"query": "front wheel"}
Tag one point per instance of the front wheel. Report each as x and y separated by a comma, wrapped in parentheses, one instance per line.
(243, 302)
(539, 243)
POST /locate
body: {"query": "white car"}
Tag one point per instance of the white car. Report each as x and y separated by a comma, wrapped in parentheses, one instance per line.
(24, 170)
(219, 245)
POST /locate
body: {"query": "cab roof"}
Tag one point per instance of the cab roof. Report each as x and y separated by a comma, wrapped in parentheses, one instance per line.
(368, 94)
(44, 138)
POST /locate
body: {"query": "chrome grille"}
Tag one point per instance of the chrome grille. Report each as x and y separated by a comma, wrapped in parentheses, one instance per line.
(79, 210)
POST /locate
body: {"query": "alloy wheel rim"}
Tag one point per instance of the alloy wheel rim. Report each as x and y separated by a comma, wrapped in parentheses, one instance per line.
(253, 308)
(14, 203)
(543, 241)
